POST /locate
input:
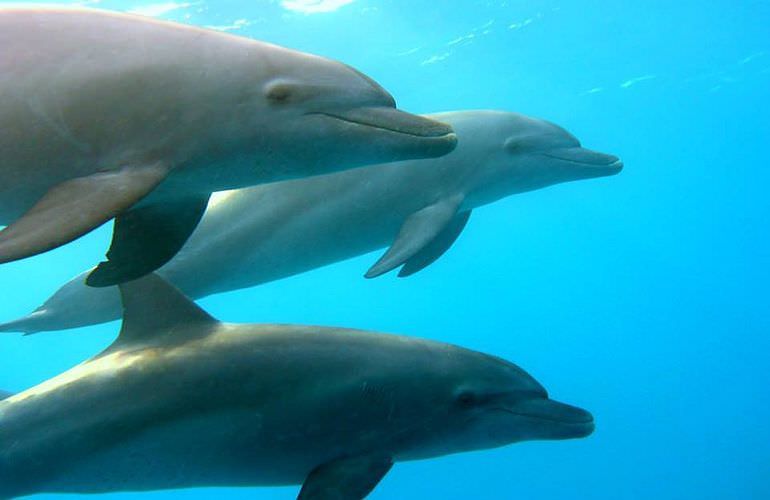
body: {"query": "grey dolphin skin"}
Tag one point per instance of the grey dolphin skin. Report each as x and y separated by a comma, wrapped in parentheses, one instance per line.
(108, 115)
(182, 400)
(252, 236)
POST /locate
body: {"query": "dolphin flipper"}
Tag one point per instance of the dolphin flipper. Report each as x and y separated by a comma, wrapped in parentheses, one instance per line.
(437, 247)
(349, 478)
(147, 237)
(76, 207)
(417, 232)
(5, 394)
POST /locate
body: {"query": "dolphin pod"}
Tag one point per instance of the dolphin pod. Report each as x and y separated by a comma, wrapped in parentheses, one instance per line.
(106, 115)
(256, 235)
(182, 400)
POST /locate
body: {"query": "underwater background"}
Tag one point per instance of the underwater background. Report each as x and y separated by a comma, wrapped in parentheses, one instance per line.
(641, 297)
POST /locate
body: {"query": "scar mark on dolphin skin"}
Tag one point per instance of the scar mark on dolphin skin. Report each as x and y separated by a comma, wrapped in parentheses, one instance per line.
(58, 125)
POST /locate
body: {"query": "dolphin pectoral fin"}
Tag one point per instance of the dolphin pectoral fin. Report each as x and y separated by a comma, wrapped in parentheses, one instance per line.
(5, 395)
(418, 230)
(147, 237)
(349, 478)
(76, 207)
(437, 247)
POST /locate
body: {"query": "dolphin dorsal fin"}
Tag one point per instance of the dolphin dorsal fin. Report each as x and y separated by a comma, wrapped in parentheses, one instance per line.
(153, 308)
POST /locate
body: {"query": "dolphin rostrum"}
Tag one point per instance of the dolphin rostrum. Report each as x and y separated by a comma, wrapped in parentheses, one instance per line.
(255, 235)
(182, 400)
(107, 115)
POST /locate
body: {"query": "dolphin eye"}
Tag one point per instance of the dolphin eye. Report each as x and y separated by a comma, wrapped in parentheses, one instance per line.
(511, 145)
(280, 93)
(466, 399)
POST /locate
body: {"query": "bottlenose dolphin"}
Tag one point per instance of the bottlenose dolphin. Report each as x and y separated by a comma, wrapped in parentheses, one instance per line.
(109, 115)
(252, 236)
(181, 400)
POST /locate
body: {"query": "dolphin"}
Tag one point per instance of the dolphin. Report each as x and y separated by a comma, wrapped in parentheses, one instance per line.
(181, 400)
(255, 235)
(107, 115)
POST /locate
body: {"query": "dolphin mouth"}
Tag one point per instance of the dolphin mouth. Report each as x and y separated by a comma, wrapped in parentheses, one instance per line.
(393, 120)
(570, 420)
(587, 420)
(586, 158)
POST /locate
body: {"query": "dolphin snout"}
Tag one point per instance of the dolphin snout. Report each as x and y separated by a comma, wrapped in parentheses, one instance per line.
(604, 160)
(559, 420)
(583, 156)
(599, 163)
(394, 120)
(404, 135)
(613, 163)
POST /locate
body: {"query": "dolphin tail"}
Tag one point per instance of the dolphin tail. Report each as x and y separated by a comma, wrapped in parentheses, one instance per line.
(34, 322)
(73, 305)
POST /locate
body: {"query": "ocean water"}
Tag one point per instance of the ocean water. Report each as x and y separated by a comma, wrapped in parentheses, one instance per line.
(641, 297)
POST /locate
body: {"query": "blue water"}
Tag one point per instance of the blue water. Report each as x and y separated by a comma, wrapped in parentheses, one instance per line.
(641, 297)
